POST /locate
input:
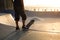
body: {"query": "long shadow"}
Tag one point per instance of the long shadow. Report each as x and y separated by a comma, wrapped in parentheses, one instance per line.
(15, 35)
(9, 33)
(5, 30)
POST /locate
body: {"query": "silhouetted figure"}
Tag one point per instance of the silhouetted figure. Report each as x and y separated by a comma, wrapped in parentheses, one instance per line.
(19, 11)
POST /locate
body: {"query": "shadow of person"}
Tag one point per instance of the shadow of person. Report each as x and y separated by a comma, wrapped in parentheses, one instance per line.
(6, 30)
(9, 33)
(16, 35)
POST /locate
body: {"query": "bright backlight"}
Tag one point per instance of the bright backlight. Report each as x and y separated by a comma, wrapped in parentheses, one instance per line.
(42, 3)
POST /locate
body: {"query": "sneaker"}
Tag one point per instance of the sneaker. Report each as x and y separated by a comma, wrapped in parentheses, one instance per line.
(23, 27)
(17, 28)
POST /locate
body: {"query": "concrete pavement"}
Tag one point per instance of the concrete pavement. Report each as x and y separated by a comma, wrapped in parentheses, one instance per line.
(42, 29)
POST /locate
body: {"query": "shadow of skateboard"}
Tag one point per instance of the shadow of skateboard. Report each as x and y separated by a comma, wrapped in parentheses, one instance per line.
(29, 24)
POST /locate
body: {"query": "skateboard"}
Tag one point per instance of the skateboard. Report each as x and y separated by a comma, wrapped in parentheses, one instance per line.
(29, 24)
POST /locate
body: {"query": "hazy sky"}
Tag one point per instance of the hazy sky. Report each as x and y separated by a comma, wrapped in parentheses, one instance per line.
(44, 3)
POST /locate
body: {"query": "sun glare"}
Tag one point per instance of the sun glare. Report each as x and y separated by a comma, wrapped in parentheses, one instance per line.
(50, 5)
(43, 3)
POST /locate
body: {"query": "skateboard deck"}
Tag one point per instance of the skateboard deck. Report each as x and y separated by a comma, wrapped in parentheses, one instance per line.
(29, 24)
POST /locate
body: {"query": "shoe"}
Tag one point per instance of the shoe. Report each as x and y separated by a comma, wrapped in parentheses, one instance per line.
(17, 28)
(23, 27)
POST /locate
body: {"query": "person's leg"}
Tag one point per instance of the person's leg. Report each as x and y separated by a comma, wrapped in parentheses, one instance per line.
(17, 20)
(23, 20)
(17, 27)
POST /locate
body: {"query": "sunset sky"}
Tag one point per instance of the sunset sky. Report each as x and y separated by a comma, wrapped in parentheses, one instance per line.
(42, 3)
